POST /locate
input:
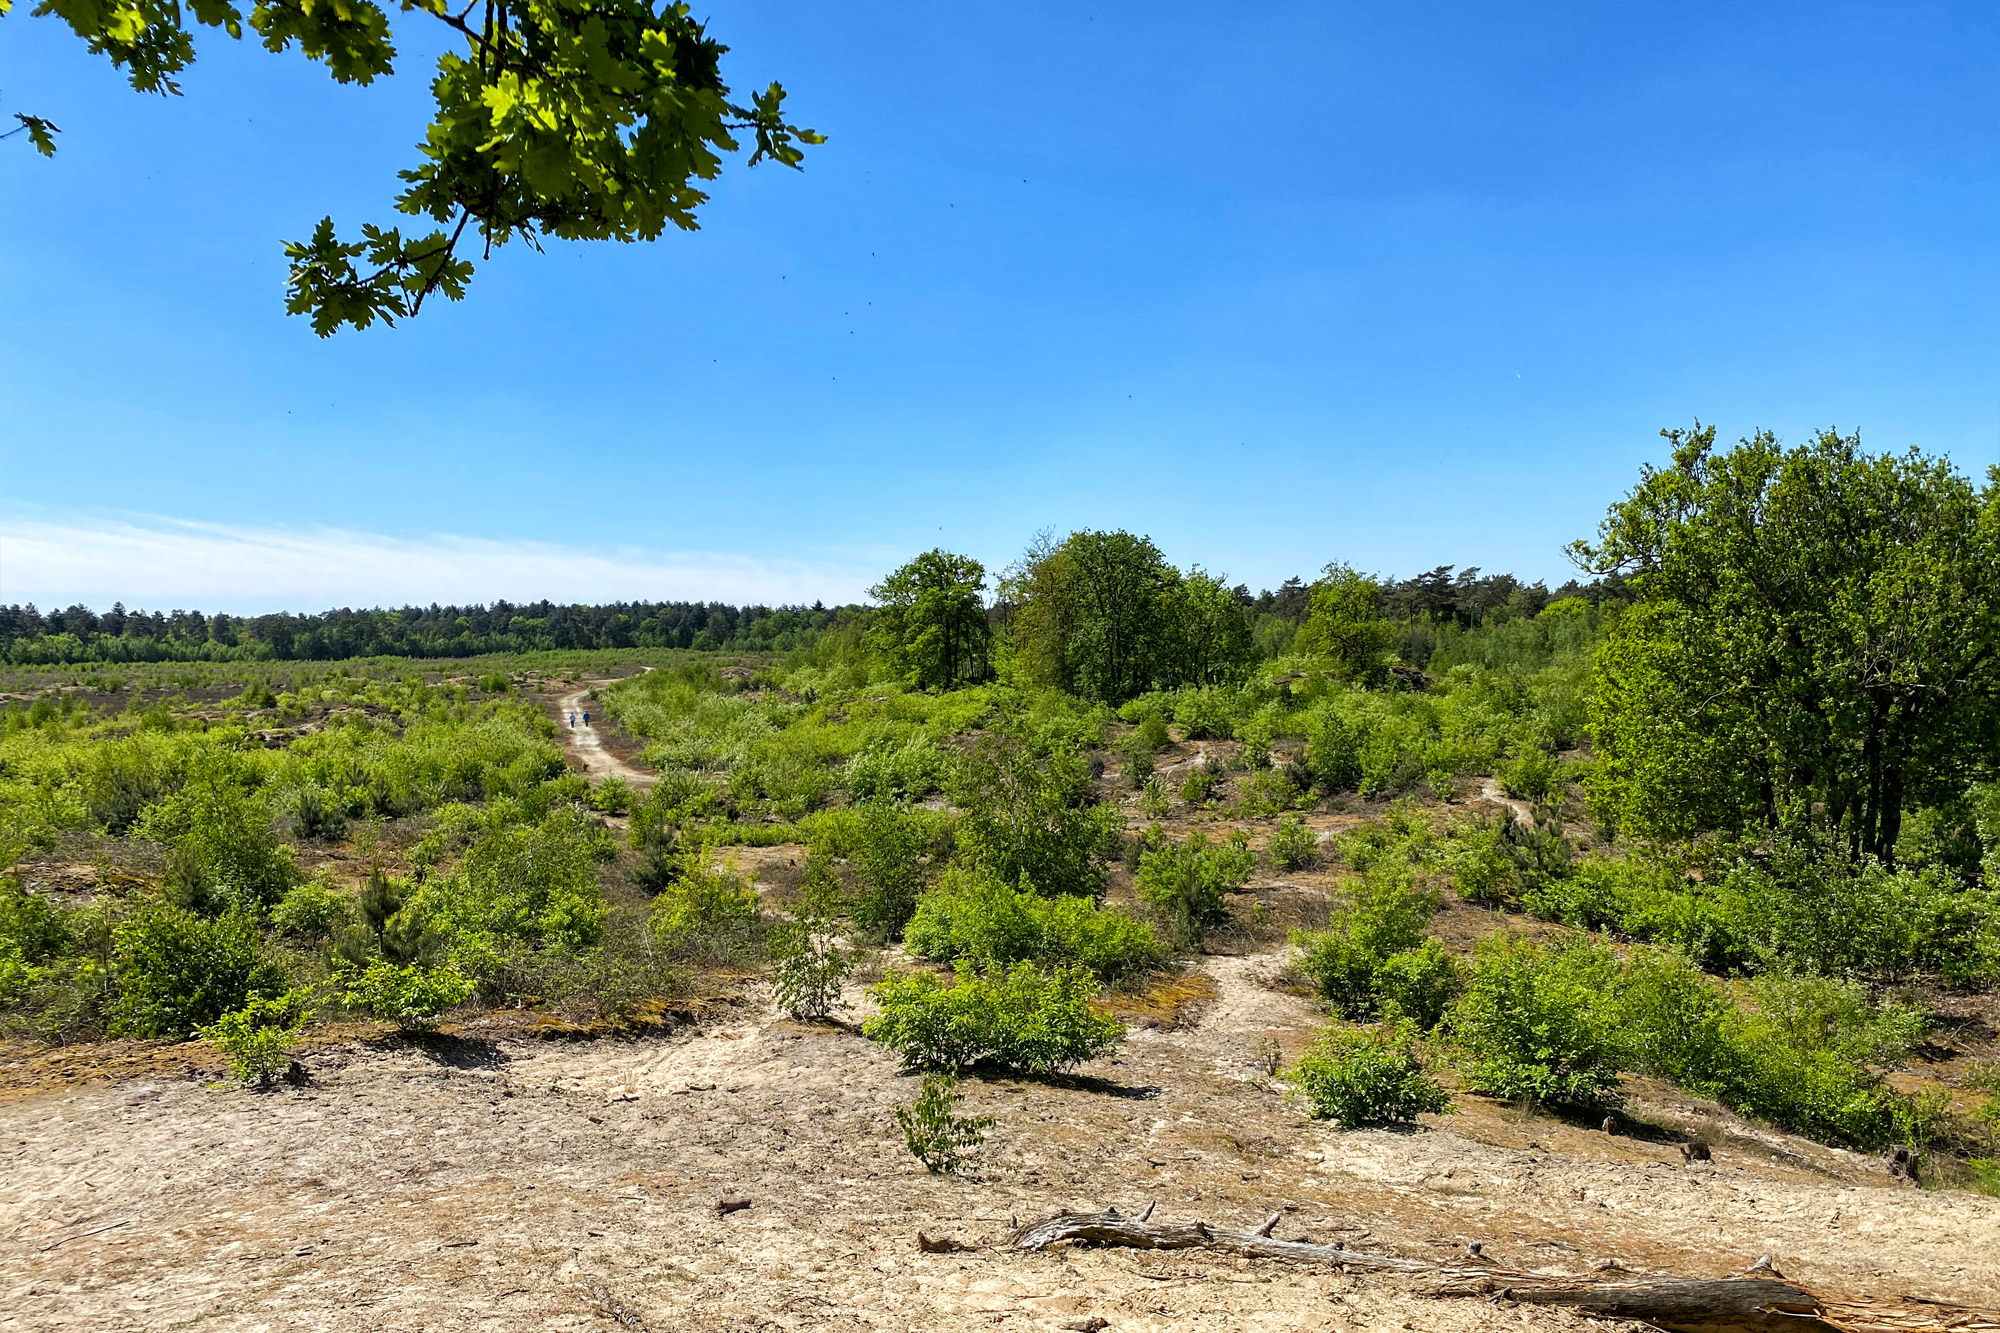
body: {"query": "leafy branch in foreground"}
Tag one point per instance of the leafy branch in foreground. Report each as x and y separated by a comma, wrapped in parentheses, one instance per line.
(584, 120)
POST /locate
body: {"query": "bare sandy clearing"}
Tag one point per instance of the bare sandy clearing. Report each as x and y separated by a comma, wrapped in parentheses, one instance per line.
(500, 1182)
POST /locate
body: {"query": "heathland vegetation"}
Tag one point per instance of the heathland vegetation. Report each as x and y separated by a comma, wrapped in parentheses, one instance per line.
(1726, 815)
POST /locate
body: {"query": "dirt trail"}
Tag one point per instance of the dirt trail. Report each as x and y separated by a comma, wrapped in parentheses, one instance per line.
(501, 1182)
(588, 747)
(1490, 790)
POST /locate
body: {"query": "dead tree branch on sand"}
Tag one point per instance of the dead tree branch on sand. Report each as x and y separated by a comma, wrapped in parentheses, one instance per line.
(1759, 1299)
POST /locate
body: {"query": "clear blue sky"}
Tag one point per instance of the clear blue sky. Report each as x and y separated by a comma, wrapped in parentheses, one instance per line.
(1277, 284)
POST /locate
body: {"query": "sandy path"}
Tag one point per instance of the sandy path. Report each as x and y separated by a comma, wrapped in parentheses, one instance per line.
(588, 747)
(506, 1183)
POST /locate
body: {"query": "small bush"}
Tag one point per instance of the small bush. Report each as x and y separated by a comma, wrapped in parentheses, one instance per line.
(937, 1136)
(1138, 766)
(1151, 735)
(1293, 844)
(1153, 798)
(1200, 781)
(613, 795)
(1533, 774)
(1206, 714)
(312, 911)
(259, 1037)
(1533, 1023)
(1368, 1077)
(1333, 752)
(411, 996)
(1020, 1017)
(1186, 882)
(706, 915)
(891, 859)
(1374, 959)
(494, 683)
(809, 967)
(971, 915)
(179, 972)
(318, 814)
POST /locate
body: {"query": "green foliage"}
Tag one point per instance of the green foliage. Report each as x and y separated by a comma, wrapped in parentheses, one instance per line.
(312, 911)
(1030, 813)
(410, 996)
(259, 1037)
(1531, 1023)
(219, 845)
(178, 972)
(932, 624)
(1367, 1077)
(534, 884)
(974, 916)
(1103, 615)
(910, 771)
(1185, 882)
(808, 967)
(1532, 774)
(645, 115)
(1199, 782)
(707, 915)
(1294, 846)
(1345, 628)
(1021, 1017)
(890, 859)
(937, 1135)
(1813, 651)
(1374, 959)
(613, 796)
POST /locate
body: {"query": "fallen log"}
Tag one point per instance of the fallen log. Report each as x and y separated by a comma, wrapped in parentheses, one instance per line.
(1755, 1301)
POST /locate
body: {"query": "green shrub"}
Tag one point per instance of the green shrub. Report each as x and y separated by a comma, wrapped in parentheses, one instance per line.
(941, 1139)
(1293, 844)
(1138, 766)
(259, 1037)
(1367, 1077)
(1532, 1022)
(411, 996)
(1206, 713)
(220, 850)
(1185, 882)
(972, 915)
(494, 683)
(1333, 752)
(1031, 813)
(613, 795)
(808, 969)
(312, 911)
(318, 814)
(706, 915)
(1374, 958)
(1532, 774)
(909, 771)
(890, 857)
(1200, 780)
(178, 972)
(1151, 734)
(1153, 799)
(536, 885)
(1020, 1017)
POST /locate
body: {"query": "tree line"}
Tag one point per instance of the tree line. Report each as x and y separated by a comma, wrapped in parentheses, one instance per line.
(78, 634)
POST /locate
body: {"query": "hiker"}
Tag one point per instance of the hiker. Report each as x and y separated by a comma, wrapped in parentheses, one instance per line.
(586, 719)
(572, 721)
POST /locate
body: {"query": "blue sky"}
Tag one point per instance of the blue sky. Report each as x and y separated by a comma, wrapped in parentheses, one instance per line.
(1392, 284)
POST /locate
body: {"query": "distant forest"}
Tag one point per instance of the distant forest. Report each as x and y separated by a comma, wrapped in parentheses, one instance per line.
(29, 636)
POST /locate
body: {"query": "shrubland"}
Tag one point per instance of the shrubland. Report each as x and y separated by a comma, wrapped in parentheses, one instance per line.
(1057, 794)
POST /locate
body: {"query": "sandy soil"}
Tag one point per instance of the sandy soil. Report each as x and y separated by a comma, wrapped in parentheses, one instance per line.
(494, 1180)
(586, 745)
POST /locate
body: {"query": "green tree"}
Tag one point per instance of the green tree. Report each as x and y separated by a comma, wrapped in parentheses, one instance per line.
(1206, 639)
(1345, 626)
(1813, 648)
(1089, 614)
(933, 619)
(553, 118)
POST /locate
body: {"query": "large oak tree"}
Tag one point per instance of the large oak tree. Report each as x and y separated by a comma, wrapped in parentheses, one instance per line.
(1816, 644)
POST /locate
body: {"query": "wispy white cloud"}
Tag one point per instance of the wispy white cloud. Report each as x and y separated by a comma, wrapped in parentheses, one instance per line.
(161, 563)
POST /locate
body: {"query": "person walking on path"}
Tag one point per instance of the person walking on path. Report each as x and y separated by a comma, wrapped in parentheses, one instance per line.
(586, 718)
(572, 721)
